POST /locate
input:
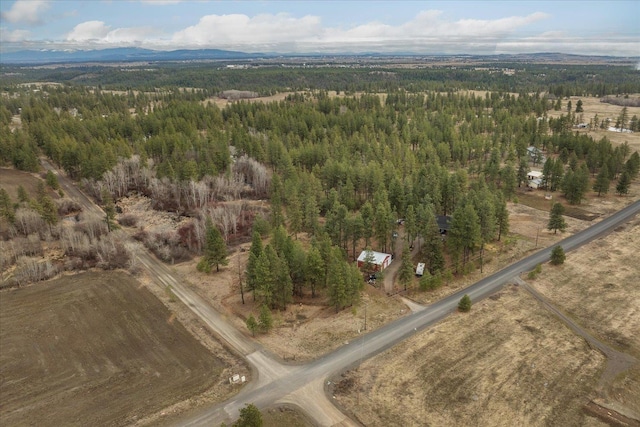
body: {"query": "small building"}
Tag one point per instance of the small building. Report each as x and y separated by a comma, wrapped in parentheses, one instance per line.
(444, 223)
(379, 260)
(535, 183)
(420, 269)
(531, 175)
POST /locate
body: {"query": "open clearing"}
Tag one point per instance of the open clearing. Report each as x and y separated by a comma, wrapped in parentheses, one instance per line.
(592, 106)
(95, 349)
(508, 362)
(598, 286)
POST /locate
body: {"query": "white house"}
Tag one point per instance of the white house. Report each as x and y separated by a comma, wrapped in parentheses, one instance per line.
(379, 260)
(531, 175)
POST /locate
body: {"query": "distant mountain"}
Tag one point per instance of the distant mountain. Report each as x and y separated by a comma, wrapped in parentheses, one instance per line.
(124, 54)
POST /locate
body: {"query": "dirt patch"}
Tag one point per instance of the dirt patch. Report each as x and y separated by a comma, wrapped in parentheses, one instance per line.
(222, 102)
(508, 362)
(11, 179)
(95, 349)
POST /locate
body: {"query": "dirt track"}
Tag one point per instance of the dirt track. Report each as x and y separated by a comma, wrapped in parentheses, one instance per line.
(94, 349)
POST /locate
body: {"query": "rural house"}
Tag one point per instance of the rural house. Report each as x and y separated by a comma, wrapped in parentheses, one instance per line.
(534, 179)
(379, 260)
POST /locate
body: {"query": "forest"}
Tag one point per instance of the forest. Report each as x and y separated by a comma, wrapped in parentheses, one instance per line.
(340, 170)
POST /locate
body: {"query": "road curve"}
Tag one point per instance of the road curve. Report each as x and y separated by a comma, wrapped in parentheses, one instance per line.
(387, 336)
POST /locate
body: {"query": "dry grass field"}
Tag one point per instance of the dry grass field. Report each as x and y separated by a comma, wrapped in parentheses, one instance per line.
(11, 179)
(599, 286)
(95, 349)
(508, 362)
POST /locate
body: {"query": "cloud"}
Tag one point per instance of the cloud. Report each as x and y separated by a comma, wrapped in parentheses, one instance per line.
(26, 12)
(98, 33)
(237, 30)
(89, 30)
(14, 36)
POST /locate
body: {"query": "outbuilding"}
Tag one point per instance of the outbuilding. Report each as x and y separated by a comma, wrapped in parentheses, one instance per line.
(420, 269)
(379, 260)
(531, 175)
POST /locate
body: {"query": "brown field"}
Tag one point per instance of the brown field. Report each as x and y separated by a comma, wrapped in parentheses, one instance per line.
(95, 349)
(598, 286)
(10, 179)
(508, 362)
(593, 106)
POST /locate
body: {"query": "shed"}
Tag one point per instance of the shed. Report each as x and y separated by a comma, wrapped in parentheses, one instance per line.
(380, 260)
(535, 183)
(420, 269)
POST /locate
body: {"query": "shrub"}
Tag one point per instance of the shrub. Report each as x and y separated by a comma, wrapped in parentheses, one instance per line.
(557, 255)
(465, 304)
(128, 220)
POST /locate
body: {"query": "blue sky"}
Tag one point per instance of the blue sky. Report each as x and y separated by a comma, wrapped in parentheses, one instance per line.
(582, 27)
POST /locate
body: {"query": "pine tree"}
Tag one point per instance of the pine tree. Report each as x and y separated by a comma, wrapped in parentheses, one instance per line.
(406, 268)
(23, 197)
(556, 220)
(250, 416)
(602, 181)
(109, 209)
(252, 324)
(465, 230)
(254, 254)
(265, 320)
(6, 206)
(465, 304)
(215, 250)
(266, 276)
(557, 255)
(623, 184)
(502, 216)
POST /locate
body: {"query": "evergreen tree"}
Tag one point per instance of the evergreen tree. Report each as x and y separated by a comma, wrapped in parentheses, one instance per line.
(314, 269)
(52, 180)
(623, 184)
(250, 416)
(23, 197)
(465, 304)
(432, 250)
(465, 230)
(109, 209)
(267, 276)
(523, 171)
(252, 324)
(557, 255)
(502, 216)
(294, 211)
(632, 166)
(254, 253)
(49, 211)
(556, 220)
(6, 206)
(215, 250)
(601, 185)
(406, 267)
(265, 320)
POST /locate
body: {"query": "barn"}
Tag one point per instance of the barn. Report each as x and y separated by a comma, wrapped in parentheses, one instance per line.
(379, 260)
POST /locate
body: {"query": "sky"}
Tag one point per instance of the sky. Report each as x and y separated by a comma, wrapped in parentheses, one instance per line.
(421, 27)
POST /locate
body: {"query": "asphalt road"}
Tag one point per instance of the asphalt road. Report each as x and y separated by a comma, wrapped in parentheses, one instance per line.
(381, 339)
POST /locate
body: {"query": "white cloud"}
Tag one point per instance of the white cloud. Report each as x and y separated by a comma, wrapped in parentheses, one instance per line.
(26, 12)
(14, 36)
(98, 33)
(89, 30)
(238, 30)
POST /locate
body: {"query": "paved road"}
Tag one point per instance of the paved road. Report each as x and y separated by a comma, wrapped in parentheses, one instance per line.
(389, 335)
